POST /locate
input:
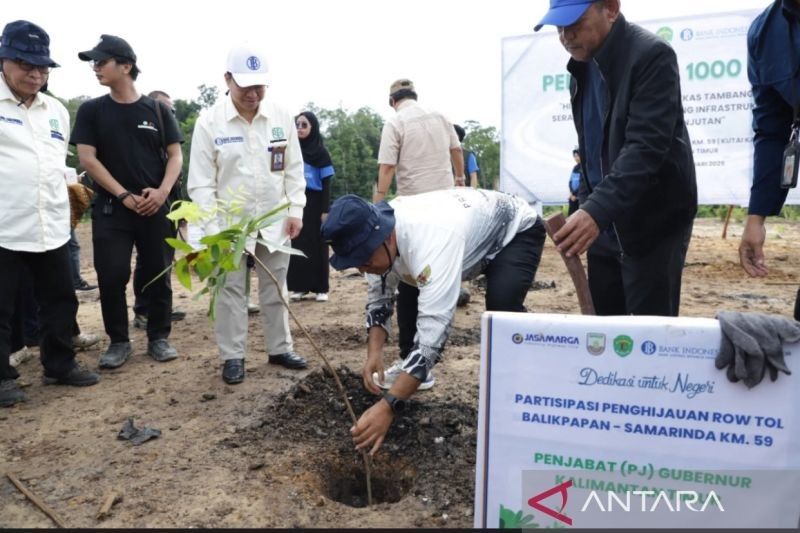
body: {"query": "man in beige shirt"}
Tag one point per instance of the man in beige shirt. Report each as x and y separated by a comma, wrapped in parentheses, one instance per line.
(422, 149)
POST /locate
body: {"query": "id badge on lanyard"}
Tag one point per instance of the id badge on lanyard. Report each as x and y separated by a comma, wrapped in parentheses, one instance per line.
(791, 158)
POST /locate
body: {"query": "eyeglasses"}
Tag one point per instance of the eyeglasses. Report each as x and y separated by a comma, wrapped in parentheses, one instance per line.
(28, 67)
(303, 125)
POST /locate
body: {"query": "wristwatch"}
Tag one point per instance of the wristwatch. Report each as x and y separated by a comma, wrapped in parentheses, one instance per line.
(397, 405)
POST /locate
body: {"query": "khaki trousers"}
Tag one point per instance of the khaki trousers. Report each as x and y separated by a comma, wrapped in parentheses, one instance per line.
(231, 308)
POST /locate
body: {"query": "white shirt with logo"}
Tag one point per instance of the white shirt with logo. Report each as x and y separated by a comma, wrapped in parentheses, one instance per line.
(34, 206)
(231, 160)
(443, 237)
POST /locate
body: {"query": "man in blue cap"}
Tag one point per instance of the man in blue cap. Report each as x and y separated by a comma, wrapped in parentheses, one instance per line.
(431, 241)
(34, 208)
(640, 196)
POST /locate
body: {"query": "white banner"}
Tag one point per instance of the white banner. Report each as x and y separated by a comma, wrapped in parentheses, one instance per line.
(538, 134)
(576, 411)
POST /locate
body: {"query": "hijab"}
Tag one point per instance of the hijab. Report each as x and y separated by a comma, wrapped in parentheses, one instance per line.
(314, 151)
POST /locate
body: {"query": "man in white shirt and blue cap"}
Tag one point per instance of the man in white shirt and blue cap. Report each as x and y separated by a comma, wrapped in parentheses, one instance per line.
(34, 208)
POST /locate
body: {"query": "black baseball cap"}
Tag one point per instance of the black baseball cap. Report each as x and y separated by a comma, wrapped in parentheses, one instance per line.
(108, 47)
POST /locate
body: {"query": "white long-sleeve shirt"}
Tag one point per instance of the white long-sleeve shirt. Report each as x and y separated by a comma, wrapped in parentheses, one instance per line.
(232, 158)
(443, 237)
(34, 206)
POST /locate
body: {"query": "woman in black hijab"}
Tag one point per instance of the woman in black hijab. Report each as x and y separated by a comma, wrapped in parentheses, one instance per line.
(310, 274)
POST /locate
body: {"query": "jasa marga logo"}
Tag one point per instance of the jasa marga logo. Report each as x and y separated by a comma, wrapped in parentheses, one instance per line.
(548, 339)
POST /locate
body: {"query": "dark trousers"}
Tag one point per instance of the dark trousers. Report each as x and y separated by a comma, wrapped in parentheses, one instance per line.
(642, 285)
(797, 306)
(509, 276)
(140, 306)
(58, 305)
(114, 237)
(75, 258)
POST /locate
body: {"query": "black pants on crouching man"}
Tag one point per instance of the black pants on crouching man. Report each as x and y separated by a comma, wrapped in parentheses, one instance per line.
(509, 276)
(114, 235)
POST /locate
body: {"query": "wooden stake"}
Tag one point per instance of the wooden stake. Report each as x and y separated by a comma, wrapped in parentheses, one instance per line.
(111, 498)
(574, 267)
(36, 500)
(727, 220)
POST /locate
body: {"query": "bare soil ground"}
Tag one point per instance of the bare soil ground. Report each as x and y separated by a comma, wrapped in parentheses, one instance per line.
(274, 451)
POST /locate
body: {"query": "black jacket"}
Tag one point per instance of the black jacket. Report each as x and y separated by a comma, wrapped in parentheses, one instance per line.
(648, 189)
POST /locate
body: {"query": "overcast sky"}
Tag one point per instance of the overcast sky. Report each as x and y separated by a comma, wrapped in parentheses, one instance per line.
(332, 52)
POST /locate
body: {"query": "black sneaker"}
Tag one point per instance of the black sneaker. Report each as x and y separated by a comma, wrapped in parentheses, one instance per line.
(161, 351)
(10, 393)
(77, 377)
(116, 355)
(85, 286)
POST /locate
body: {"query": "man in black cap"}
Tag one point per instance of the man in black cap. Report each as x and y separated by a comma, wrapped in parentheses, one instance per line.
(34, 208)
(639, 198)
(431, 241)
(130, 145)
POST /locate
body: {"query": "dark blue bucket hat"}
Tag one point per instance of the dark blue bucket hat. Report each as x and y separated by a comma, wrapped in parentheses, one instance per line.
(564, 12)
(25, 41)
(355, 229)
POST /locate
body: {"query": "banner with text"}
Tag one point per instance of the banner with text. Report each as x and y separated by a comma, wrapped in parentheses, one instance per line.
(538, 134)
(626, 422)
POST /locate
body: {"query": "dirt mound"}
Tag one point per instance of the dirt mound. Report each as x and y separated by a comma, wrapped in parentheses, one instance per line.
(432, 441)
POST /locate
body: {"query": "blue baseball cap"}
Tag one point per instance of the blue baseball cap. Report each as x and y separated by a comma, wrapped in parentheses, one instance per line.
(355, 229)
(25, 41)
(564, 12)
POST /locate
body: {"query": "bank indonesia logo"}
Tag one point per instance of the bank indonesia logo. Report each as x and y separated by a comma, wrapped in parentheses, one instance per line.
(687, 34)
(595, 343)
(648, 347)
(666, 33)
(623, 345)
(253, 63)
(517, 338)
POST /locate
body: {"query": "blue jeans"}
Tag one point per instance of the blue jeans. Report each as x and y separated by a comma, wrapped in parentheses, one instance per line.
(74, 259)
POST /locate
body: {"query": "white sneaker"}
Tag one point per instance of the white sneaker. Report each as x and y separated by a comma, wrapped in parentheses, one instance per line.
(322, 297)
(85, 340)
(20, 356)
(295, 296)
(391, 374)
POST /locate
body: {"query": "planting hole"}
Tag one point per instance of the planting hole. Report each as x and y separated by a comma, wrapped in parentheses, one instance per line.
(344, 481)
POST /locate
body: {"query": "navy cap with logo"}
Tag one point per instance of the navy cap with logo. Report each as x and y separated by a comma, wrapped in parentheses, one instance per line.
(355, 229)
(108, 47)
(25, 41)
(564, 12)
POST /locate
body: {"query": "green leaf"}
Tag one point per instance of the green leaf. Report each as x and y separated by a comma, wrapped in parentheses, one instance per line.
(204, 267)
(182, 273)
(186, 210)
(179, 244)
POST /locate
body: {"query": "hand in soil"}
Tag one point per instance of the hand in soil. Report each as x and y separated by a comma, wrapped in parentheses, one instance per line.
(372, 427)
